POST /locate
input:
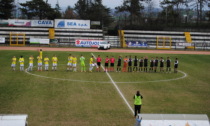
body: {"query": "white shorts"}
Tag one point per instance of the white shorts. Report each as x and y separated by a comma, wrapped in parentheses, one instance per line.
(54, 64)
(13, 65)
(21, 65)
(31, 65)
(46, 65)
(69, 64)
(39, 64)
(74, 65)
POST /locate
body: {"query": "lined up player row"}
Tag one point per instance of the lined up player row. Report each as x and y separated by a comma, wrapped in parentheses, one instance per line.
(126, 64)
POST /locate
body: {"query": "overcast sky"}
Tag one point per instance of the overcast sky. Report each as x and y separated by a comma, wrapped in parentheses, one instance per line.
(65, 3)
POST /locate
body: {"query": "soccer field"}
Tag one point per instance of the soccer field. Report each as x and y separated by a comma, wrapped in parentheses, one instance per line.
(61, 98)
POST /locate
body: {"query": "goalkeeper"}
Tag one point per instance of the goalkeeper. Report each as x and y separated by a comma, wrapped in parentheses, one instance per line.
(82, 62)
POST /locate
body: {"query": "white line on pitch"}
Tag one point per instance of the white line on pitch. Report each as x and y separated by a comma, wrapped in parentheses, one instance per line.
(185, 75)
(117, 88)
(26, 70)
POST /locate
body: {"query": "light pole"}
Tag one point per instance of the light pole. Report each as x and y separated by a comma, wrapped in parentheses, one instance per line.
(166, 15)
(17, 5)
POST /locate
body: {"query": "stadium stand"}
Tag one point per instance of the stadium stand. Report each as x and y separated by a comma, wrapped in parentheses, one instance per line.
(114, 41)
(200, 39)
(66, 37)
(63, 36)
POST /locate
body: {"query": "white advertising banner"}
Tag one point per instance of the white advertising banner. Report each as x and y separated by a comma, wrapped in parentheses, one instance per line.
(39, 41)
(16, 22)
(87, 43)
(79, 24)
(42, 23)
(2, 40)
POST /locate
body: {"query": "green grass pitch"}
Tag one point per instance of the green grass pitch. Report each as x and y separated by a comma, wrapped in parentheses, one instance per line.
(91, 99)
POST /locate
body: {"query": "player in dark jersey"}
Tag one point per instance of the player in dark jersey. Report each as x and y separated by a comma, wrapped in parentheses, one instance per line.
(98, 59)
(135, 62)
(161, 64)
(152, 61)
(112, 60)
(176, 62)
(141, 63)
(106, 64)
(129, 64)
(168, 65)
(145, 63)
(156, 64)
(119, 64)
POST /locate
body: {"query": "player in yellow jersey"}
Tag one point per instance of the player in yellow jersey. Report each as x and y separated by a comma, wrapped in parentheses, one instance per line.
(39, 63)
(40, 53)
(74, 63)
(31, 63)
(69, 64)
(46, 63)
(54, 62)
(13, 65)
(91, 64)
(21, 61)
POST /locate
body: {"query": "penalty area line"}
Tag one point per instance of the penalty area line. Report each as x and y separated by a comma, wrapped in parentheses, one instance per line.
(117, 88)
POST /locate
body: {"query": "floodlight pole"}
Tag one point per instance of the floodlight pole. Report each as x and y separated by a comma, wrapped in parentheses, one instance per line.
(16, 15)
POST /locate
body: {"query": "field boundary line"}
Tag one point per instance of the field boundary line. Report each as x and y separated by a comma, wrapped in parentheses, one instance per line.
(117, 88)
(173, 79)
(26, 70)
(185, 75)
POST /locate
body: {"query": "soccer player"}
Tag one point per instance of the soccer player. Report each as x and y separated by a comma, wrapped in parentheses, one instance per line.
(54, 62)
(39, 63)
(176, 62)
(168, 65)
(106, 64)
(161, 64)
(21, 61)
(74, 63)
(151, 65)
(13, 65)
(145, 63)
(125, 64)
(31, 63)
(91, 64)
(135, 61)
(40, 53)
(98, 59)
(156, 64)
(82, 63)
(130, 64)
(112, 60)
(69, 64)
(141, 62)
(46, 63)
(119, 64)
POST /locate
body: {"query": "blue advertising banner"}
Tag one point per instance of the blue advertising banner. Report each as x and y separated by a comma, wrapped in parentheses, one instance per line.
(136, 44)
(67, 23)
